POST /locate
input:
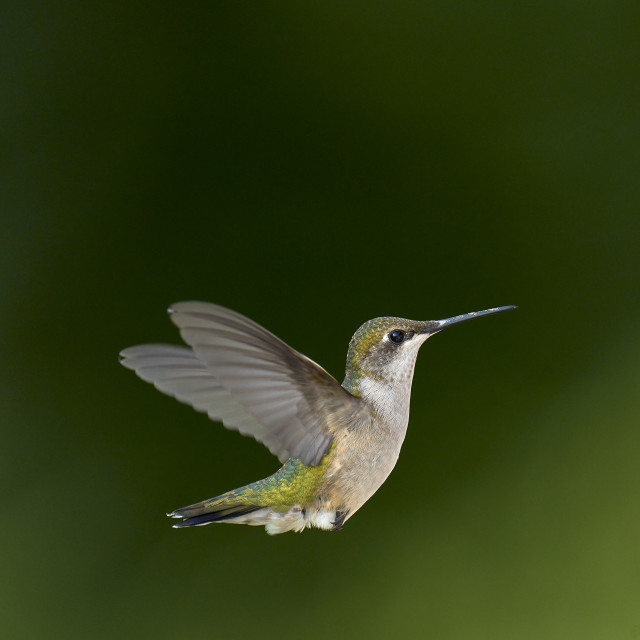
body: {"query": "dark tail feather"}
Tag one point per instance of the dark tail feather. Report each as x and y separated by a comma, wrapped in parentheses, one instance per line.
(206, 512)
(215, 516)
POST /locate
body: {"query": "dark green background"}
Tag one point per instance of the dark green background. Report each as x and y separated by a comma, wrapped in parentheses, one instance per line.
(314, 165)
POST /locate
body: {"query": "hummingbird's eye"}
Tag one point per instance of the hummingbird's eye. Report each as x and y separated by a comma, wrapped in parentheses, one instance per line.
(396, 336)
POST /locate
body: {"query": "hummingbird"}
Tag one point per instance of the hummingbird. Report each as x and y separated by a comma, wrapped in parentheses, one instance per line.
(337, 442)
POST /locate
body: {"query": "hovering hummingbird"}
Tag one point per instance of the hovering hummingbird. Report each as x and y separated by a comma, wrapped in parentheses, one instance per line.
(338, 443)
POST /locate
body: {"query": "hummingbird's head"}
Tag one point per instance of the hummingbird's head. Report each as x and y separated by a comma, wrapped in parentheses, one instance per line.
(384, 349)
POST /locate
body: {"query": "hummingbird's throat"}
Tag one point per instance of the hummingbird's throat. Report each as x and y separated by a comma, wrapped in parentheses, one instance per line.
(389, 400)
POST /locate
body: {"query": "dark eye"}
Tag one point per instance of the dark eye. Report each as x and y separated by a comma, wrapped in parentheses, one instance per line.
(396, 336)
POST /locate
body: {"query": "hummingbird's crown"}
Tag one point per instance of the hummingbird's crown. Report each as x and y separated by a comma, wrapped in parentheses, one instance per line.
(370, 333)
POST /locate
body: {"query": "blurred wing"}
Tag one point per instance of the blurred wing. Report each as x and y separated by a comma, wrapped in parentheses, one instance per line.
(244, 376)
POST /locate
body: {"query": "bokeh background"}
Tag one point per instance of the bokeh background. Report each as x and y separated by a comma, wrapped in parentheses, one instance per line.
(314, 165)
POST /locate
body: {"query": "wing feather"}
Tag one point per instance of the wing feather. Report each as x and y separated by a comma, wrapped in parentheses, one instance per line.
(247, 378)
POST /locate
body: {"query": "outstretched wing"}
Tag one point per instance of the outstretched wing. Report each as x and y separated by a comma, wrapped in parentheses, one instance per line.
(247, 378)
(177, 372)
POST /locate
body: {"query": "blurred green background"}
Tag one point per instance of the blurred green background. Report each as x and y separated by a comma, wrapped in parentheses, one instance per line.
(313, 165)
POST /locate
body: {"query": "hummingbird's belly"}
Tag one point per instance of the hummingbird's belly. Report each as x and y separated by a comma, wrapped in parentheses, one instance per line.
(359, 467)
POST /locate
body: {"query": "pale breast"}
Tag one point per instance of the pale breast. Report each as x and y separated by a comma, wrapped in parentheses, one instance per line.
(365, 455)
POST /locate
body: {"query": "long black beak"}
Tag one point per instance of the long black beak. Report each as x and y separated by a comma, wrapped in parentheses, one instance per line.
(439, 325)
